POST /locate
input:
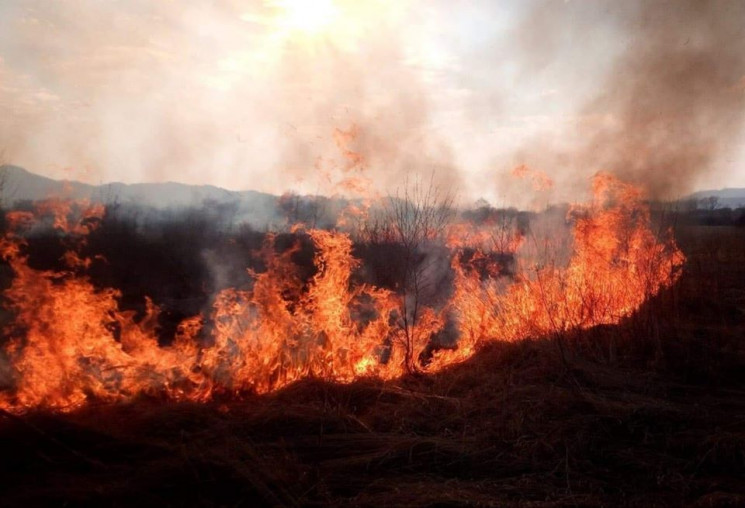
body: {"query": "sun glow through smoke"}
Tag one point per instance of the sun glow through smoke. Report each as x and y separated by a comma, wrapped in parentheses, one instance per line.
(310, 17)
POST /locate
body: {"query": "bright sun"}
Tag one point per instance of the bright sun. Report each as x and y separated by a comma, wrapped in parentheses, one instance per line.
(306, 16)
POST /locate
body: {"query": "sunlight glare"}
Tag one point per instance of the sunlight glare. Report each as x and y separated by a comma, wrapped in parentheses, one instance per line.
(306, 16)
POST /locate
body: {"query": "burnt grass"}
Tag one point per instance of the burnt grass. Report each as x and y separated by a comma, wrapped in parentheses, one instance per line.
(647, 413)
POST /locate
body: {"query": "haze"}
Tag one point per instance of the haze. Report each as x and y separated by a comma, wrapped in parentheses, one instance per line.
(356, 97)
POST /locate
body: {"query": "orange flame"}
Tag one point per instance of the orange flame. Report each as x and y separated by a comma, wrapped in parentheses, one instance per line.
(540, 180)
(616, 265)
(71, 344)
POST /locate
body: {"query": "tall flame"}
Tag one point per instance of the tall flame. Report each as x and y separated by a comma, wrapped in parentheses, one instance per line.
(71, 344)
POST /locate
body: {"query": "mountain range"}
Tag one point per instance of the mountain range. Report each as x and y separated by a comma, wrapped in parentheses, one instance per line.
(18, 184)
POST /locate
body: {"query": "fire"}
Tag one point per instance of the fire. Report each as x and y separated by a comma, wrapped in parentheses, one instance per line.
(540, 180)
(617, 263)
(70, 342)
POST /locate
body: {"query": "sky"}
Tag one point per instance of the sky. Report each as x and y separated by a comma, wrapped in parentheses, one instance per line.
(362, 97)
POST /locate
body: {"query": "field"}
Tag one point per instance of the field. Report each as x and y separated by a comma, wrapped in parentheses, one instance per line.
(648, 412)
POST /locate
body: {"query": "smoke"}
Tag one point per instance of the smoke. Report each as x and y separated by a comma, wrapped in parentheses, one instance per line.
(671, 105)
(227, 93)
(220, 92)
(373, 114)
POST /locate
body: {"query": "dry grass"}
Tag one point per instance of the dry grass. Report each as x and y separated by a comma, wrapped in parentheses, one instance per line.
(649, 413)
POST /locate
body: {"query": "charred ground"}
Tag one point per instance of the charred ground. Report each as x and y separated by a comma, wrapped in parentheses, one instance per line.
(649, 412)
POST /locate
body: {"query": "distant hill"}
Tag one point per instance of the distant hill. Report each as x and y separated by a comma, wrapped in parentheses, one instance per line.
(725, 198)
(258, 208)
(20, 184)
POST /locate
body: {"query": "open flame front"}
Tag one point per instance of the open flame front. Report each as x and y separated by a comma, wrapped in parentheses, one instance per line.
(72, 344)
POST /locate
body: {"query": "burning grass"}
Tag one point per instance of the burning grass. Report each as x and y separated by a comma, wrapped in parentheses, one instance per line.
(643, 410)
(72, 344)
(512, 426)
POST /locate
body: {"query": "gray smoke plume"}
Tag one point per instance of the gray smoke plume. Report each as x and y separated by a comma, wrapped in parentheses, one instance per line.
(677, 94)
(671, 104)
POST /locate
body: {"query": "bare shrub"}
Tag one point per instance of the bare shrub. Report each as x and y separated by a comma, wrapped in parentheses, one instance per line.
(416, 218)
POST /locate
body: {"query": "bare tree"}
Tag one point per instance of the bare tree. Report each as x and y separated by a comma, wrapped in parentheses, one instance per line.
(709, 203)
(305, 210)
(418, 216)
